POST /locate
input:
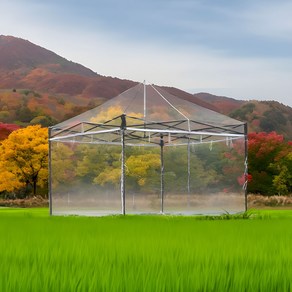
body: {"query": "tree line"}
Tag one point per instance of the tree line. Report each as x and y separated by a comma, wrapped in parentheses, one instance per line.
(24, 165)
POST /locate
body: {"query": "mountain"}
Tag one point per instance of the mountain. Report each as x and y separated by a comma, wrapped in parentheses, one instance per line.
(192, 98)
(21, 56)
(266, 116)
(38, 86)
(25, 65)
(261, 116)
(223, 104)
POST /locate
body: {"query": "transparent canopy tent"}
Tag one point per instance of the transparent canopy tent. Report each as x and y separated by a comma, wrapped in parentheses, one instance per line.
(147, 151)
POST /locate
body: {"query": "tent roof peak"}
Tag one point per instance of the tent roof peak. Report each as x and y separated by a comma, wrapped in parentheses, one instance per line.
(148, 104)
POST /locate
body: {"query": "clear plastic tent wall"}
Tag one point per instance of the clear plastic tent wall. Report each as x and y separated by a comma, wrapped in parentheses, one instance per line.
(147, 151)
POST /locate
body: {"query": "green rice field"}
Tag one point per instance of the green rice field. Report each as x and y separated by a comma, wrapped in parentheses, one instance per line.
(145, 253)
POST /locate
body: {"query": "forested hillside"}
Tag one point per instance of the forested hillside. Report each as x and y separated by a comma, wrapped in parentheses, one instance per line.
(39, 87)
(261, 116)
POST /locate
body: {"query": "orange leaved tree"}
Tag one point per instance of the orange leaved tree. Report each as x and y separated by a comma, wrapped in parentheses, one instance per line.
(24, 159)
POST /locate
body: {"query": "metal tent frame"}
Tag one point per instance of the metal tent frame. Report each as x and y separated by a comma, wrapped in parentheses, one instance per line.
(139, 127)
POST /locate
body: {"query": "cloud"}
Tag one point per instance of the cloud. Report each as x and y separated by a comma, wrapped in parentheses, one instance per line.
(194, 69)
(269, 19)
(218, 52)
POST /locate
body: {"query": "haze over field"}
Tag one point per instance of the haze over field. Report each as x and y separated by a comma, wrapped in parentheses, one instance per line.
(238, 49)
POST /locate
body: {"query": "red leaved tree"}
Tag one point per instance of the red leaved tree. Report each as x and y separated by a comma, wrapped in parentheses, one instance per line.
(266, 153)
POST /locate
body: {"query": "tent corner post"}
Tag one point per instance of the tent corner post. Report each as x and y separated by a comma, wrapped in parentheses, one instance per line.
(123, 191)
(246, 163)
(189, 172)
(162, 174)
(50, 174)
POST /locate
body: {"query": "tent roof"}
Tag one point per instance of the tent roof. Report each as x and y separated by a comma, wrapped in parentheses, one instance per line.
(150, 108)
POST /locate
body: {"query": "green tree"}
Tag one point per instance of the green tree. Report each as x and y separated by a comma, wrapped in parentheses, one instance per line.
(98, 164)
(282, 181)
(44, 121)
(24, 114)
(202, 173)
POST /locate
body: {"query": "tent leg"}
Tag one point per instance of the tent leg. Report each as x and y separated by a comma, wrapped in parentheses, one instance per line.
(50, 174)
(246, 163)
(162, 174)
(123, 193)
(189, 171)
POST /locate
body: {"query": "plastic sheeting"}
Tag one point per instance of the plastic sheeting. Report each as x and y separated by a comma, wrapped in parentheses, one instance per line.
(147, 151)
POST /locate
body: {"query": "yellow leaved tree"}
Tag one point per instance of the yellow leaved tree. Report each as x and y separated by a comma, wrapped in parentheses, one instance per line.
(61, 160)
(113, 112)
(144, 167)
(24, 159)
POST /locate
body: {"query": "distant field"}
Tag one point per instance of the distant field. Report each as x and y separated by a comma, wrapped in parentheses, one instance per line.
(145, 253)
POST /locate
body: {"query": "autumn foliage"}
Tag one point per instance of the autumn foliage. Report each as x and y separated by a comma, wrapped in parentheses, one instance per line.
(6, 130)
(270, 164)
(24, 160)
(24, 164)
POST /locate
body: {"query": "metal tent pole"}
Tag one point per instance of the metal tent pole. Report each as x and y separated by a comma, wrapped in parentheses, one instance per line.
(50, 174)
(162, 173)
(144, 106)
(123, 191)
(246, 164)
(189, 171)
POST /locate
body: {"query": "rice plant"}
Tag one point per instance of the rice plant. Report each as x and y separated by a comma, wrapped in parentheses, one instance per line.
(144, 253)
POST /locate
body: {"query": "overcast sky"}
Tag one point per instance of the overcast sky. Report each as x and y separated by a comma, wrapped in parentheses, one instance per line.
(240, 48)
